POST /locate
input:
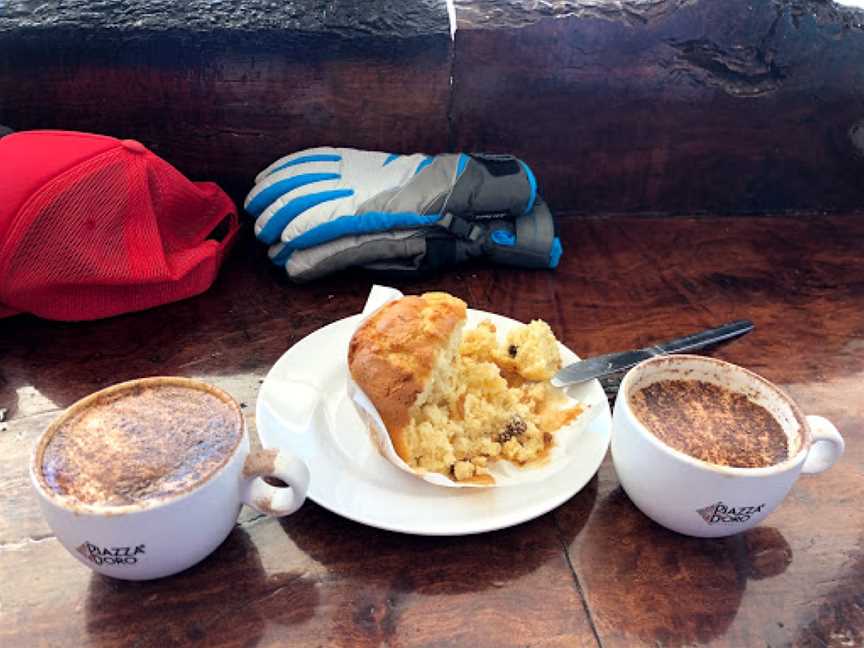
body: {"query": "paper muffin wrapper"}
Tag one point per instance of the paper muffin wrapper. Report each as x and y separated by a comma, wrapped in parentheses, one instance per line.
(505, 473)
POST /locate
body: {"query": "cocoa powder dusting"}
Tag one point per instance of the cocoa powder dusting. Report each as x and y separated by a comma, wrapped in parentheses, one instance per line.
(711, 423)
(140, 444)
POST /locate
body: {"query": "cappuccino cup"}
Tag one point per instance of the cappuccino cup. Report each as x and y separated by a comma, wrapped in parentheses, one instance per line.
(707, 448)
(146, 478)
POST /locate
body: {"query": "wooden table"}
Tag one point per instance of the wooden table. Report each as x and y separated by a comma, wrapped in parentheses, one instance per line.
(594, 571)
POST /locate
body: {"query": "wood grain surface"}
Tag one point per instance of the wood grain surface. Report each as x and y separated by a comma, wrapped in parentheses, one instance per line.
(661, 106)
(595, 571)
(668, 106)
(222, 89)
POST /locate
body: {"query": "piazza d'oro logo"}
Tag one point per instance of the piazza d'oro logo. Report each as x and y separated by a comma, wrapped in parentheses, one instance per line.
(110, 555)
(722, 513)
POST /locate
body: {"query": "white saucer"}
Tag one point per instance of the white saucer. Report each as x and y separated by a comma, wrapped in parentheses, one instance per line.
(303, 407)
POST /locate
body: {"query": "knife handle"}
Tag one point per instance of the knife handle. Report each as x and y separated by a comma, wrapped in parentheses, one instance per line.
(704, 338)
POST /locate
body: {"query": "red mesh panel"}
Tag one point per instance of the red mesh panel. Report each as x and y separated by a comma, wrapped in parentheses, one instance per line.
(120, 232)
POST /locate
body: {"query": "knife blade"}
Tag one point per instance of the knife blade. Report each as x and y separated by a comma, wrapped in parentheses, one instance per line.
(610, 363)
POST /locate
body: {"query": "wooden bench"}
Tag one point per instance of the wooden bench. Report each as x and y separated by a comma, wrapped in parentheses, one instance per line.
(659, 106)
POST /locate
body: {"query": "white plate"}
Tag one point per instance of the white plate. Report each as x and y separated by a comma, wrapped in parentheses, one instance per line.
(303, 407)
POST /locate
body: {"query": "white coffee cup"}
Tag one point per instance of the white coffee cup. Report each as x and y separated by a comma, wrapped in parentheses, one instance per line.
(164, 535)
(703, 499)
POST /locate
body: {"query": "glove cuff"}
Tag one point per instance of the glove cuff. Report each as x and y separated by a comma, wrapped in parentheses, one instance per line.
(529, 242)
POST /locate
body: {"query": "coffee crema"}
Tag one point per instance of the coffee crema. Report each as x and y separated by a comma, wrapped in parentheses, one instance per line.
(711, 423)
(141, 443)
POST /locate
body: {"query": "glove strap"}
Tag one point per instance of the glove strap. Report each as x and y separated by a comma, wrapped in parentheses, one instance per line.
(529, 241)
(462, 228)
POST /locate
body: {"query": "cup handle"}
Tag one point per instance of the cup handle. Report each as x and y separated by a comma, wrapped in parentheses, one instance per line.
(826, 448)
(268, 499)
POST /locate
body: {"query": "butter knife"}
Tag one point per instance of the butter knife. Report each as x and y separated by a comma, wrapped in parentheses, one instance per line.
(610, 363)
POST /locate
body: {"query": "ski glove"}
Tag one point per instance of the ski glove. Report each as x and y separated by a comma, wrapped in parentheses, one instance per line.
(326, 209)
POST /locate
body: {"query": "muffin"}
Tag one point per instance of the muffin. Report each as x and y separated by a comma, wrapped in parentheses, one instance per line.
(453, 405)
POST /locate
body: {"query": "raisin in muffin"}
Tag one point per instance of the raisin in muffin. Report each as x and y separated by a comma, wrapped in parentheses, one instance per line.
(451, 404)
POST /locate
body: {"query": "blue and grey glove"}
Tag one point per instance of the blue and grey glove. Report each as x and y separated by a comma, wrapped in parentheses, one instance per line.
(326, 209)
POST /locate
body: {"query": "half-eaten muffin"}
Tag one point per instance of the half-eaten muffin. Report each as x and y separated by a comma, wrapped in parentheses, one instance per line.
(453, 404)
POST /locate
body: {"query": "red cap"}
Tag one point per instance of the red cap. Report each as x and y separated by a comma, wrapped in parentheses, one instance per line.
(92, 226)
